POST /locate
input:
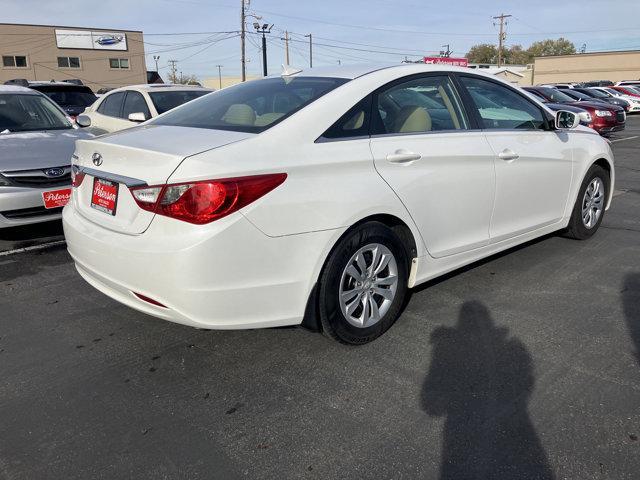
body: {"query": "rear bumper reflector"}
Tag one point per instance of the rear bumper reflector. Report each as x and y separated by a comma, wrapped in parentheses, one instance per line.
(149, 300)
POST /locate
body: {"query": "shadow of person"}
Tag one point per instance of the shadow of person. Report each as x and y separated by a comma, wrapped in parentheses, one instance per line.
(481, 380)
(631, 305)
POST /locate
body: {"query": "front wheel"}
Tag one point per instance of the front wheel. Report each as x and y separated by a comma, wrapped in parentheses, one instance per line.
(363, 284)
(589, 208)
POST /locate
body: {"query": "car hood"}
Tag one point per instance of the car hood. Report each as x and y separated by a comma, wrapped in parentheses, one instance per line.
(34, 150)
(596, 105)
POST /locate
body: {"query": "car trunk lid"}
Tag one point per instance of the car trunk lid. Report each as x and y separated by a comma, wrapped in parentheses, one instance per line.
(147, 155)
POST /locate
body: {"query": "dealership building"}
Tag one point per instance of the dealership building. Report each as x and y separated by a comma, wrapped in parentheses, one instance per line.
(100, 58)
(583, 67)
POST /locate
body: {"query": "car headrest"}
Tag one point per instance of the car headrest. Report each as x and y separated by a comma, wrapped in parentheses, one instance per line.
(412, 119)
(240, 114)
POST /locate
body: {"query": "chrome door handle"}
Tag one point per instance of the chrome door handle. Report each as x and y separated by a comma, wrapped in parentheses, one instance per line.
(508, 154)
(403, 156)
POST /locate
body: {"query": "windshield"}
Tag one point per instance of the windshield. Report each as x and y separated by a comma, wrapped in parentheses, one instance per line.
(635, 89)
(537, 95)
(165, 101)
(613, 92)
(556, 95)
(27, 113)
(69, 96)
(596, 93)
(252, 106)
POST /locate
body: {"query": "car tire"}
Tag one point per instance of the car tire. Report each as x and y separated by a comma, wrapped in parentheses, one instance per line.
(589, 208)
(360, 269)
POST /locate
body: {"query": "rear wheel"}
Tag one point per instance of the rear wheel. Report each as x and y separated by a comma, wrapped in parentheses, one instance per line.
(589, 208)
(363, 284)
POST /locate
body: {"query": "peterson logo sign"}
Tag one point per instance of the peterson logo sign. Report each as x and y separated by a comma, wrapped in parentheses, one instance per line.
(56, 198)
(456, 62)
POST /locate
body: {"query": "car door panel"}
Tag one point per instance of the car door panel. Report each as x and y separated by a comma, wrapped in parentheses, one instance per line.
(442, 171)
(448, 191)
(533, 162)
(532, 189)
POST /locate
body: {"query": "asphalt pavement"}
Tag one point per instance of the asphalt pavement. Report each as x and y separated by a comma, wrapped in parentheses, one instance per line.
(525, 365)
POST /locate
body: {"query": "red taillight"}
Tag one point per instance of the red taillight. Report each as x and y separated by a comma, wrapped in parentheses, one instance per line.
(76, 177)
(205, 201)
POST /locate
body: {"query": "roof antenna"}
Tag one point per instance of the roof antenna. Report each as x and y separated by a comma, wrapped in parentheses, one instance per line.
(288, 70)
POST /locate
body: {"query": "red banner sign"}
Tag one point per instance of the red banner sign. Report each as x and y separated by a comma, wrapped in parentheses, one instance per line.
(56, 198)
(457, 62)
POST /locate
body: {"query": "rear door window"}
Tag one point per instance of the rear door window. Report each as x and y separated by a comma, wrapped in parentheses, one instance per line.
(135, 103)
(112, 105)
(423, 104)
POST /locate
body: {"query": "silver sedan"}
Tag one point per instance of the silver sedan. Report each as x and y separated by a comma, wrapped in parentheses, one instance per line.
(37, 140)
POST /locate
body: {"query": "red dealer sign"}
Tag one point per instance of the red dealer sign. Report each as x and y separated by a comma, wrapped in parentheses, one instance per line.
(458, 62)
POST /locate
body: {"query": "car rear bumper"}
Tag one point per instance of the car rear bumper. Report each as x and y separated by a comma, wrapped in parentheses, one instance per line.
(224, 275)
(24, 206)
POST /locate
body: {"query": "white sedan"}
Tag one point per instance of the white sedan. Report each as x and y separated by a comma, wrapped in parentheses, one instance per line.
(129, 106)
(320, 197)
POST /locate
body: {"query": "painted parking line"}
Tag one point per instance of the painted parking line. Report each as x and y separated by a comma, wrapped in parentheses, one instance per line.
(623, 139)
(32, 248)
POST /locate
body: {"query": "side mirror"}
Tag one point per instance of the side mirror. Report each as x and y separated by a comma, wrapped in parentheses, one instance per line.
(566, 120)
(137, 117)
(83, 121)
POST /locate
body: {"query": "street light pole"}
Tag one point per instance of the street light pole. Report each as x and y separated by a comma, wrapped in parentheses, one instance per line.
(156, 58)
(263, 29)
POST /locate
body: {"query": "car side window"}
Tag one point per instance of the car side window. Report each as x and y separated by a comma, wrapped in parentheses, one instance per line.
(135, 103)
(112, 105)
(420, 105)
(354, 123)
(502, 108)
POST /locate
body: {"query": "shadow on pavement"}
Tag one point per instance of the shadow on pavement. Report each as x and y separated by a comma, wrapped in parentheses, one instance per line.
(32, 232)
(481, 379)
(631, 304)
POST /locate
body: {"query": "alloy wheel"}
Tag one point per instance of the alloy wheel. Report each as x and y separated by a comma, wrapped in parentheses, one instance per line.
(593, 203)
(368, 285)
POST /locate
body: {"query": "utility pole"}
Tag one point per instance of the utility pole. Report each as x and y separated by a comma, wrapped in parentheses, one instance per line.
(173, 70)
(502, 36)
(156, 58)
(243, 60)
(263, 29)
(446, 53)
(219, 76)
(310, 50)
(286, 45)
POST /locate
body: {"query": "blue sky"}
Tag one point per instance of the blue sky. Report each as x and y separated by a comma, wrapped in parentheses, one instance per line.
(392, 29)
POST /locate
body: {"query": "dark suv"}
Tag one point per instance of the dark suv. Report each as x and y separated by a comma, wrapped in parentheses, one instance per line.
(71, 97)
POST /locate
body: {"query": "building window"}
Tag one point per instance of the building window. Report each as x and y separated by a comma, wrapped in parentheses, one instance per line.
(119, 63)
(15, 61)
(69, 62)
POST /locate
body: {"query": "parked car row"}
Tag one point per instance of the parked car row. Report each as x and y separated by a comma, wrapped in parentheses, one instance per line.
(604, 117)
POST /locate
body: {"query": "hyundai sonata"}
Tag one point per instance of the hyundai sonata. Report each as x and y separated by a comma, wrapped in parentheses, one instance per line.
(324, 195)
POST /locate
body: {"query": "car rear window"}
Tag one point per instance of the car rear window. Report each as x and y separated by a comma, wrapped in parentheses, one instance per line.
(252, 106)
(165, 101)
(68, 96)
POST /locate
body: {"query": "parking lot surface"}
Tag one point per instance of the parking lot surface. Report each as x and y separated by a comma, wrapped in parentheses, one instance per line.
(526, 365)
